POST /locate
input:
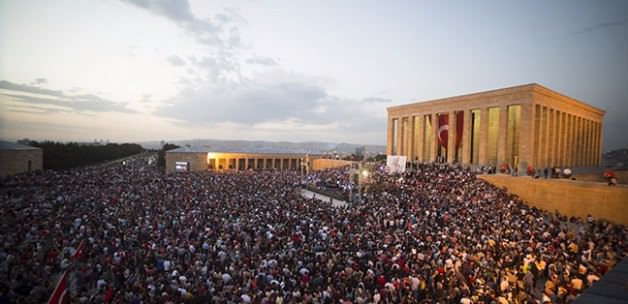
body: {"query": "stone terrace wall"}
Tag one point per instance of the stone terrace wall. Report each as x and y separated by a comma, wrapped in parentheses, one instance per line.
(324, 163)
(572, 198)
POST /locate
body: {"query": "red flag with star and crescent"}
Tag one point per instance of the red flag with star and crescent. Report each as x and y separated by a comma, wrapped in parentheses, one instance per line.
(58, 295)
(443, 128)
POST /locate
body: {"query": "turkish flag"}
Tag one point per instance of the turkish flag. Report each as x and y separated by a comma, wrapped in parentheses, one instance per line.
(78, 252)
(443, 128)
(59, 293)
(108, 295)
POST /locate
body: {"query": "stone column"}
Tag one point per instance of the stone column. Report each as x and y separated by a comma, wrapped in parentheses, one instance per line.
(483, 145)
(590, 136)
(465, 158)
(591, 143)
(569, 139)
(451, 138)
(389, 136)
(526, 137)
(569, 144)
(501, 134)
(561, 156)
(536, 139)
(399, 136)
(582, 146)
(583, 142)
(550, 137)
(545, 142)
(434, 135)
(578, 145)
(410, 141)
(574, 140)
(555, 141)
(600, 142)
(420, 137)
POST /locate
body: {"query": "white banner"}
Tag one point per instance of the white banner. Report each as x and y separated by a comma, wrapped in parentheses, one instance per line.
(395, 164)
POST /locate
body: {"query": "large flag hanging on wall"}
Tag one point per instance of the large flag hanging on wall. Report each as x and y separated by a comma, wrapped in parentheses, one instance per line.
(443, 128)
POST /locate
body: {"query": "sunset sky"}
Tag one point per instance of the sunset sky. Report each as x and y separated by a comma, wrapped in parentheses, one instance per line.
(137, 70)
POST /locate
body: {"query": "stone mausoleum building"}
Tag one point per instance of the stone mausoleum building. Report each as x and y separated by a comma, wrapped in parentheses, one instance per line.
(519, 126)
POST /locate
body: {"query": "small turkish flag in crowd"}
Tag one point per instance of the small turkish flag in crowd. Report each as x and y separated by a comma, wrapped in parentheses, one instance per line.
(58, 295)
(78, 252)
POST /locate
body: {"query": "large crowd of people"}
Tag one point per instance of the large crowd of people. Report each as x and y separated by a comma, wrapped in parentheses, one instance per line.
(127, 233)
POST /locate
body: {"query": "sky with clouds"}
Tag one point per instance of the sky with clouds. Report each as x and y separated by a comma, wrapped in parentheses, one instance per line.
(136, 70)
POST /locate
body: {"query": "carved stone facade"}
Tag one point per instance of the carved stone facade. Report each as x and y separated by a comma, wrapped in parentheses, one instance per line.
(518, 126)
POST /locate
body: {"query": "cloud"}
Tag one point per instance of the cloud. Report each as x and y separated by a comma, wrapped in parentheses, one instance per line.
(30, 96)
(221, 67)
(293, 106)
(176, 60)
(601, 26)
(39, 81)
(376, 99)
(28, 89)
(222, 32)
(262, 60)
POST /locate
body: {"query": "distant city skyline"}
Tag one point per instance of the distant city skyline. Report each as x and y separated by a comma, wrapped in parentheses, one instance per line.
(141, 70)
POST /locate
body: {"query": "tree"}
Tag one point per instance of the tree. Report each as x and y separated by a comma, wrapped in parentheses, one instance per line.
(61, 156)
(161, 157)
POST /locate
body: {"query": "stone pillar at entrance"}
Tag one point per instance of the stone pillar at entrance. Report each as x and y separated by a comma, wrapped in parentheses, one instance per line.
(451, 138)
(483, 145)
(465, 158)
(501, 134)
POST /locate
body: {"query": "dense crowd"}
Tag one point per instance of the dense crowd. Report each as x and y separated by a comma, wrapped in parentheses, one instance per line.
(436, 235)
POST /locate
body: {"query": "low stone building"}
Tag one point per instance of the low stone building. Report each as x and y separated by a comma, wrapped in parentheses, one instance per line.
(187, 159)
(16, 158)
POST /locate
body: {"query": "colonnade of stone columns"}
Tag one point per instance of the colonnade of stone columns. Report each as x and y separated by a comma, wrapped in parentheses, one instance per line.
(546, 137)
(518, 126)
(415, 135)
(565, 139)
(408, 135)
(227, 163)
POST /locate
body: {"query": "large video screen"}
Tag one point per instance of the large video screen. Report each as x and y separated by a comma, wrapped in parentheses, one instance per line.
(181, 166)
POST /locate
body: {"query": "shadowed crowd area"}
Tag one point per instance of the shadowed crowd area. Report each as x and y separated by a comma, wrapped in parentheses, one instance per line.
(127, 233)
